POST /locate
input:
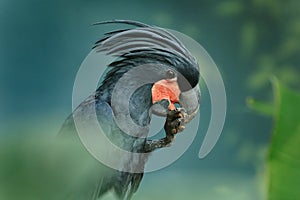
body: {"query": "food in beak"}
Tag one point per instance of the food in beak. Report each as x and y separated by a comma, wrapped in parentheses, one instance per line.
(166, 89)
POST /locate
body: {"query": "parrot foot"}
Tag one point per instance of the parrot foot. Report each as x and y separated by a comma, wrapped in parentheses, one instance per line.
(173, 125)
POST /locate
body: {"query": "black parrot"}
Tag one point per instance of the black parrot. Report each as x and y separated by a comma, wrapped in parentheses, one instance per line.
(163, 58)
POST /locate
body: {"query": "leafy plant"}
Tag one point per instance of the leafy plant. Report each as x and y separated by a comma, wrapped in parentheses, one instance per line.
(283, 161)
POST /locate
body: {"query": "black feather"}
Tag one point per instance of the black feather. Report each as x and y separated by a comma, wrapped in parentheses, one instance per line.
(133, 47)
(120, 21)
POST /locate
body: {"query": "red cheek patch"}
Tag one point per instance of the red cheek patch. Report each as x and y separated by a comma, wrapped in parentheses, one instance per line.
(168, 90)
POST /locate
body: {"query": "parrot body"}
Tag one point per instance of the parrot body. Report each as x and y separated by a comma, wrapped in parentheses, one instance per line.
(133, 48)
(122, 183)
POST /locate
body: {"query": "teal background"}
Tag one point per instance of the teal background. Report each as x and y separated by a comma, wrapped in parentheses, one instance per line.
(42, 44)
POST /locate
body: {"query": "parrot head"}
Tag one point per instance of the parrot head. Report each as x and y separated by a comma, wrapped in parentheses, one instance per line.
(167, 64)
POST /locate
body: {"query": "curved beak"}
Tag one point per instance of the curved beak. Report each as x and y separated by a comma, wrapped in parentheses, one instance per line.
(188, 100)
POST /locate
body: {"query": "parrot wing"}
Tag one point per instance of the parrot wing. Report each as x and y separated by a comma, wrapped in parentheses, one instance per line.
(124, 184)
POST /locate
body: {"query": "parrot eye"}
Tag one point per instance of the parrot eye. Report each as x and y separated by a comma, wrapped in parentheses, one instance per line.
(170, 74)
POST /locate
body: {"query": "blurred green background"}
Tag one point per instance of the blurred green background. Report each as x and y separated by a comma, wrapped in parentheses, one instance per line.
(42, 44)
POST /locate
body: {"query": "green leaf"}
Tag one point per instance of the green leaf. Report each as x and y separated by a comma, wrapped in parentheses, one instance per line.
(260, 107)
(284, 152)
(283, 160)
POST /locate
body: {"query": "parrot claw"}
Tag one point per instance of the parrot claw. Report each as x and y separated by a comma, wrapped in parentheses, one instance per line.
(175, 121)
(173, 125)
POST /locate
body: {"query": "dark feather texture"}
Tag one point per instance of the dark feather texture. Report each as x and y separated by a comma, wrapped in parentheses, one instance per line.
(132, 47)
